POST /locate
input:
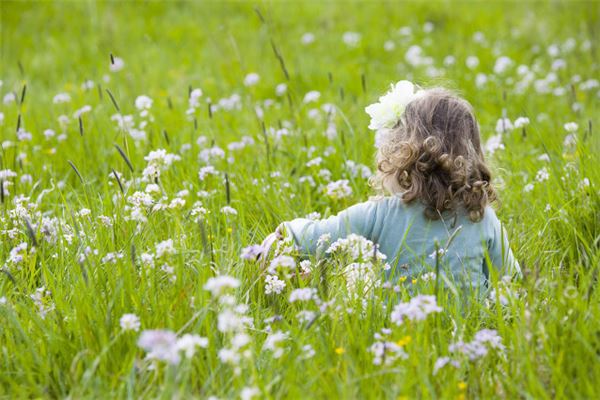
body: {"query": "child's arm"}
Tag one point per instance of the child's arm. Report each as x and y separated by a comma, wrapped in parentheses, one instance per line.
(358, 219)
(500, 253)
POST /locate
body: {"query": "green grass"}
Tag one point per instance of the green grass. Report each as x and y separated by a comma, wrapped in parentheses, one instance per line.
(551, 330)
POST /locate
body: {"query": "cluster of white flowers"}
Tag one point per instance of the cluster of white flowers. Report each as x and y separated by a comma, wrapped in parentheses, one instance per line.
(358, 170)
(483, 341)
(42, 299)
(158, 161)
(130, 322)
(274, 285)
(164, 345)
(385, 352)
(356, 247)
(16, 255)
(251, 79)
(232, 320)
(274, 342)
(417, 309)
(388, 111)
(351, 39)
(338, 189)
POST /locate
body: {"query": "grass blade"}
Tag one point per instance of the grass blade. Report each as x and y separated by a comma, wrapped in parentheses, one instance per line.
(76, 170)
(124, 156)
(112, 98)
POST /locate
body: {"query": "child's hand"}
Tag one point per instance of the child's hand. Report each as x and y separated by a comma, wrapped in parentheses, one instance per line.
(267, 245)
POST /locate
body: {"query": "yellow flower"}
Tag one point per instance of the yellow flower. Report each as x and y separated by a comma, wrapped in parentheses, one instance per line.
(340, 351)
(404, 341)
(462, 385)
(229, 230)
(414, 281)
(402, 279)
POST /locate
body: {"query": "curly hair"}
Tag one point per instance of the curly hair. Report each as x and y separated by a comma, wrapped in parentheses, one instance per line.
(433, 155)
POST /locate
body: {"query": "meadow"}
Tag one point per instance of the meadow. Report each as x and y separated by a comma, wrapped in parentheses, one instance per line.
(147, 146)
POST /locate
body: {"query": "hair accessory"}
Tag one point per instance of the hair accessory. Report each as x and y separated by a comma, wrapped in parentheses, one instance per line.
(387, 112)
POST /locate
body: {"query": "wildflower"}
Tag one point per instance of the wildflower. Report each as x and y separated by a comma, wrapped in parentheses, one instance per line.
(429, 276)
(111, 258)
(449, 60)
(438, 254)
(389, 45)
(544, 157)
(130, 322)
(351, 38)
(143, 102)
(354, 246)
(308, 351)
(416, 309)
(472, 62)
(282, 261)
(307, 38)
(303, 294)
(160, 345)
(188, 343)
(528, 188)
(479, 347)
(504, 125)
(9, 98)
(214, 152)
(570, 141)
(305, 266)
(227, 210)
(480, 80)
(314, 162)
(248, 393)
(42, 300)
(521, 122)
(339, 189)
(164, 248)
(116, 64)
(442, 362)
(388, 110)
(281, 89)
(219, 284)
(312, 96)
(252, 252)
(61, 98)
(490, 337)
(404, 341)
(251, 79)
(272, 343)
(502, 64)
(571, 127)
(386, 352)
(273, 284)
(542, 175)
(340, 350)
(207, 170)
(23, 135)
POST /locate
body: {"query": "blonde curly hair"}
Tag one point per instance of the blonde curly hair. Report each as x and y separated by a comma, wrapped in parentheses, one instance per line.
(433, 155)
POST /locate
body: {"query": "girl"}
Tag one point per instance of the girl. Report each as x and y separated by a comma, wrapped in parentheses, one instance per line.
(430, 162)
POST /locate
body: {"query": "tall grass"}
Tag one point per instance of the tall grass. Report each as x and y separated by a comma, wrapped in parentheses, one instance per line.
(69, 343)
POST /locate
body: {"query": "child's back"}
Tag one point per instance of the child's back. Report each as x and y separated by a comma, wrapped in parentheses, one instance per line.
(408, 238)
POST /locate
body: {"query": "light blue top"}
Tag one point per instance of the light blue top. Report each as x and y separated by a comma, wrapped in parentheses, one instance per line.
(408, 239)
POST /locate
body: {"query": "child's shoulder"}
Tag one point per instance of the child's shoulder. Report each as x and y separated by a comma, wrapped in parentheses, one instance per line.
(395, 203)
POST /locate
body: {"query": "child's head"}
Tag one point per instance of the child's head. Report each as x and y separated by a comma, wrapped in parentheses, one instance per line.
(433, 155)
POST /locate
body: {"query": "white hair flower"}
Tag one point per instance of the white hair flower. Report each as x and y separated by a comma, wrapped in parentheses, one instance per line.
(388, 111)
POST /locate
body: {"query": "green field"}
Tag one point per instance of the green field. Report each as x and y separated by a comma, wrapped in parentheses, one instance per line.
(87, 211)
